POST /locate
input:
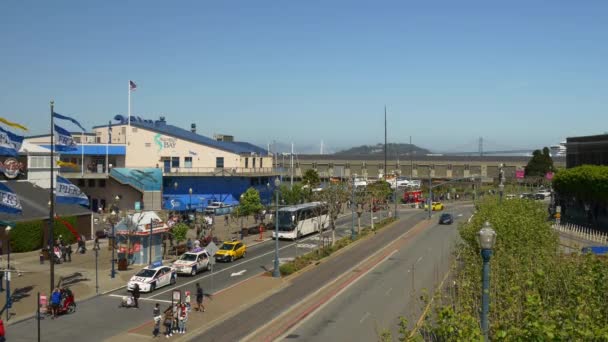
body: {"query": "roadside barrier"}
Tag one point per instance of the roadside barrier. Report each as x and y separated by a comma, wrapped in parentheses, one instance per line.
(581, 232)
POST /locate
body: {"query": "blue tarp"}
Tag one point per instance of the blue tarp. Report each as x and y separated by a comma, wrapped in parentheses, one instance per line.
(94, 150)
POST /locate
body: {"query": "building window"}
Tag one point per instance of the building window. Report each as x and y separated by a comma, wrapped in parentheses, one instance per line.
(91, 183)
(219, 162)
(246, 162)
(253, 162)
(174, 161)
(148, 144)
(466, 167)
(450, 167)
(81, 182)
(188, 162)
(102, 183)
(261, 163)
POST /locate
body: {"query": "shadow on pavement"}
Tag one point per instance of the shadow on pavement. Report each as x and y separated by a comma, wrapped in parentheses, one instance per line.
(20, 293)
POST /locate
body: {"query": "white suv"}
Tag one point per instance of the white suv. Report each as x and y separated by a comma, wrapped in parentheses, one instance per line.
(192, 262)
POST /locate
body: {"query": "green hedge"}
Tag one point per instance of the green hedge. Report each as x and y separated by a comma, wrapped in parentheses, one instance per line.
(536, 293)
(586, 182)
(28, 236)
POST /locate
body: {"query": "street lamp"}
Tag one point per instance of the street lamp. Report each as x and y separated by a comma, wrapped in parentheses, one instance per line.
(113, 217)
(353, 235)
(276, 272)
(501, 186)
(7, 230)
(395, 195)
(486, 238)
(96, 249)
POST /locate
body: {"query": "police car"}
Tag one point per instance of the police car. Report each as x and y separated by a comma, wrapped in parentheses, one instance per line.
(152, 277)
(192, 262)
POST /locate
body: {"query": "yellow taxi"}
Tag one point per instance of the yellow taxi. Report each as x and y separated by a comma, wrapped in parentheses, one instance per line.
(436, 206)
(231, 250)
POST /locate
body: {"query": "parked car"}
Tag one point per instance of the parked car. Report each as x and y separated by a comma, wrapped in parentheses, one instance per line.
(152, 277)
(446, 219)
(231, 250)
(192, 263)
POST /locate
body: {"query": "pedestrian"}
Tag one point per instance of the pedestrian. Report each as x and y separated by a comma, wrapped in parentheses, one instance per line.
(187, 300)
(1, 280)
(183, 318)
(157, 318)
(68, 251)
(199, 298)
(189, 244)
(136, 294)
(176, 317)
(41, 256)
(168, 322)
(226, 220)
(55, 301)
(64, 253)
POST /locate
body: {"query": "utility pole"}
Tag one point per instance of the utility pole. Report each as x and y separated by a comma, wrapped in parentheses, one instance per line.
(291, 167)
(411, 160)
(385, 170)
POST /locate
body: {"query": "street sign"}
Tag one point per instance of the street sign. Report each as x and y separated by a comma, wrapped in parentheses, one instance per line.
(177, 295)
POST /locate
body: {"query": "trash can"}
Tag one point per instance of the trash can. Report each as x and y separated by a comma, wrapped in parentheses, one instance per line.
(122, 264)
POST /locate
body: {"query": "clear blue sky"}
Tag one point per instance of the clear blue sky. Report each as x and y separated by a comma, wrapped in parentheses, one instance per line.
(518, 73)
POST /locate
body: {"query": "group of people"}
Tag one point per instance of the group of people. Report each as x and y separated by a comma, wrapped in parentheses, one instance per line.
(62, 251)
(175, 317)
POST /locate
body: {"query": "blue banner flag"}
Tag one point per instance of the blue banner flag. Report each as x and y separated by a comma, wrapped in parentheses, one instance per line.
(9, 202)
(68, 193)
(63, 117)
(63, 140)
(10, 143)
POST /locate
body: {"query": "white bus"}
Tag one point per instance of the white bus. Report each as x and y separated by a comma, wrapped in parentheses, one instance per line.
(298, 220)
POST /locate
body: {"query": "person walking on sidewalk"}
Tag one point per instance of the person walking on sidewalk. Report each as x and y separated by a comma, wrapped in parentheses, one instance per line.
(68, 251)
(168, 322)
(136, 294)
(55, 301)
(199, 298)
(183, 317)
(41, 256)
(157, 318)
(63, 251)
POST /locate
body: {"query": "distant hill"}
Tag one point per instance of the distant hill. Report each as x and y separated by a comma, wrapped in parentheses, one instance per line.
(393, 150)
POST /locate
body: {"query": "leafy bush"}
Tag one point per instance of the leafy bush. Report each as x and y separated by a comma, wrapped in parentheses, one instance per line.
(26, 236)
(536, 293)
(287, 268)
(180, 231)
(61, 230)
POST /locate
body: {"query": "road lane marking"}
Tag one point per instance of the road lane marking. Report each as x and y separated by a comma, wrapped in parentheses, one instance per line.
(364, 317)
(419, 260)
(144, 299)
(327, 299)
(389, 291)
(239, 273)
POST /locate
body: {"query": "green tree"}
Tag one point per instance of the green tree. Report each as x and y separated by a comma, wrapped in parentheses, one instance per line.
(180, 231)
(295, 194)
(249, 204)
(311, 178)
(334, 196)
(540, 163)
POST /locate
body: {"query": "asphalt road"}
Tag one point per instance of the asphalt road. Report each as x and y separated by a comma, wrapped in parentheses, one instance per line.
(374, 303)
(239, 326)
(99, 317)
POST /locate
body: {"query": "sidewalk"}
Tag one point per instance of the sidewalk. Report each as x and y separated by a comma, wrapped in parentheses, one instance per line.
(219, 306)
(79, 275)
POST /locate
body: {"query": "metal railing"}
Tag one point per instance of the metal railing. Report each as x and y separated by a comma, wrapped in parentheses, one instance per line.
(219, 170)
(581, 232)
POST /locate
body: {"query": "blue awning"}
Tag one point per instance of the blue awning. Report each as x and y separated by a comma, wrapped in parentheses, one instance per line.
(94, 150)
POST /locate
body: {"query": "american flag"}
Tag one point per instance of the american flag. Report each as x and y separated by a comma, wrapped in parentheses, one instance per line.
(132, 85)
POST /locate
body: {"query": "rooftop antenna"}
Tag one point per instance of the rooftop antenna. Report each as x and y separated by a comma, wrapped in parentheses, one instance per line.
(384, 173)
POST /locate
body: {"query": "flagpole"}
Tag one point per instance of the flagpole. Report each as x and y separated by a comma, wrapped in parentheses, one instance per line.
(128, 113)
(52, 202)
(107, 142)
(82, 154)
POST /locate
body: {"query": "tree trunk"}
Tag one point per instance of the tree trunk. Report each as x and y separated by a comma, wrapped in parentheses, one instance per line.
(359, 225)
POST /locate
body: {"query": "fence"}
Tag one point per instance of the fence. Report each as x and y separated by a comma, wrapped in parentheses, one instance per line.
(584, 233)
